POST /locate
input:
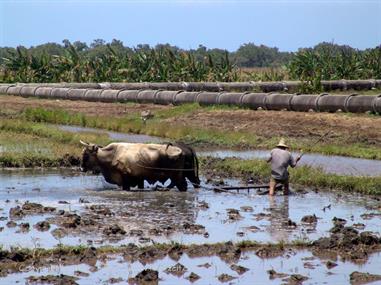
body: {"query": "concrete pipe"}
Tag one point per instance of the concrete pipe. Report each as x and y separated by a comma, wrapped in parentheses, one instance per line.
(254, 100)
(193, 86)
(43, 92)
(360, 84)
(93, 95)
(28, 91)
(334, 85)
(76, 94)
(147, 96)
(332, 103)
(109, 95)
(165, 85)
(211, 87)
(164, 97)
(60, 93)
(4, 88)
(278, 101)
(377, 104)
(230, 98)
(14, 90)
(125, 96)
(304, 103)
(291, 86)
(185, 97)
(208, 98)
(235, 86)
(83, 85)
(360, 104)
(129, 86)
(270, 86)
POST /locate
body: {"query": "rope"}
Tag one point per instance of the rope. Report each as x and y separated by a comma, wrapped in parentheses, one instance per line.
(165, 169)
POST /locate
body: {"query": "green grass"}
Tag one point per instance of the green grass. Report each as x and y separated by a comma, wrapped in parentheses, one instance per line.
(301, 175)
(29, 144)
(158, 126)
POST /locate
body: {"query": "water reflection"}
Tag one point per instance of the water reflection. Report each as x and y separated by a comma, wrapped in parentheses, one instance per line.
(279, 218)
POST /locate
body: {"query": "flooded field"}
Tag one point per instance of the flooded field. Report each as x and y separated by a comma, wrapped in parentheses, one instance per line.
(187, 237)
(301, 265)
(45, 208)
(197, 216)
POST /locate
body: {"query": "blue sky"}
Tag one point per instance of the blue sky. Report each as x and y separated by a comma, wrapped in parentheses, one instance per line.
(287, 25)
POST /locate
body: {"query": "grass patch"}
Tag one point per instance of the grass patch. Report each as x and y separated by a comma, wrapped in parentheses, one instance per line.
(301, 175)
(157, 126)
(28, 144)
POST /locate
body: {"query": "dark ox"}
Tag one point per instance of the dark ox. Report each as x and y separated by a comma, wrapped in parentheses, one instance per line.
(129, 164)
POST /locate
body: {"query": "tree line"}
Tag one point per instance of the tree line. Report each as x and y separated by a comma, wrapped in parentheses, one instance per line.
(101, 61)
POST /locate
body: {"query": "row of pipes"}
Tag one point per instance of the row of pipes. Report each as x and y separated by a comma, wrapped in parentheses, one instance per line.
(289, 86)
(269, 101)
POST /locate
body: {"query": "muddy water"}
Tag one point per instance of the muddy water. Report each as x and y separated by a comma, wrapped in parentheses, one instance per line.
(266, 220)
(331, 164)
(133, 138)
(301, 262)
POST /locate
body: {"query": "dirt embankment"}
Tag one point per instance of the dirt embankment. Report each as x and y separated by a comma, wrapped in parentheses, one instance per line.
(346, 128)
(15, 103)
(298, 125)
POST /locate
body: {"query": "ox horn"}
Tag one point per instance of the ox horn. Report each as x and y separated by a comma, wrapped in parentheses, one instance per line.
(84, 143)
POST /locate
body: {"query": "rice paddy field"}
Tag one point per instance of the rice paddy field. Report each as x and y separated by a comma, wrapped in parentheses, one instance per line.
(61, 226)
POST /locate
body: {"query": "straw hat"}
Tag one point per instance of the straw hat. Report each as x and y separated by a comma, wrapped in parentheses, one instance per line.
(282, 143)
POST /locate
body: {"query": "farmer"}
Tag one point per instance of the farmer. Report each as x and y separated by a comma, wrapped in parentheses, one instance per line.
(280, 160)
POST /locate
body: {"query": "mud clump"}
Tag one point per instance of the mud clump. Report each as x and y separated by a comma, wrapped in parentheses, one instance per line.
(309, 219)
(69, 220)
(233, 214)
(114, 280)
(101, 210)
(114, 230)
(178, 269)
(330, 264)
(193, 228)
(269, 252)
(147, 276)
(358, 278)
(203, 205)
(339, 221)
(16, 213)
(290, 224)
(42, 226)
(193, 277)
(59, 233)
(228, 252)
(239, 269)
(225, 277)
(11, 224)
(273, 274)
(175, 252)
(348, 242)
(295, 279)
(53, 279)
(35, 208)
(81, 274)
(24, 227)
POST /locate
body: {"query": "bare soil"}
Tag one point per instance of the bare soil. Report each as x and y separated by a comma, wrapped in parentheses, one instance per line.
(350, 128)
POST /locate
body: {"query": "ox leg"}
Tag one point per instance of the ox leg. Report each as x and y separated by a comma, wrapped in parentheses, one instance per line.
(141, 184)
(181, 184)
(126, 184)
(194, 180)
